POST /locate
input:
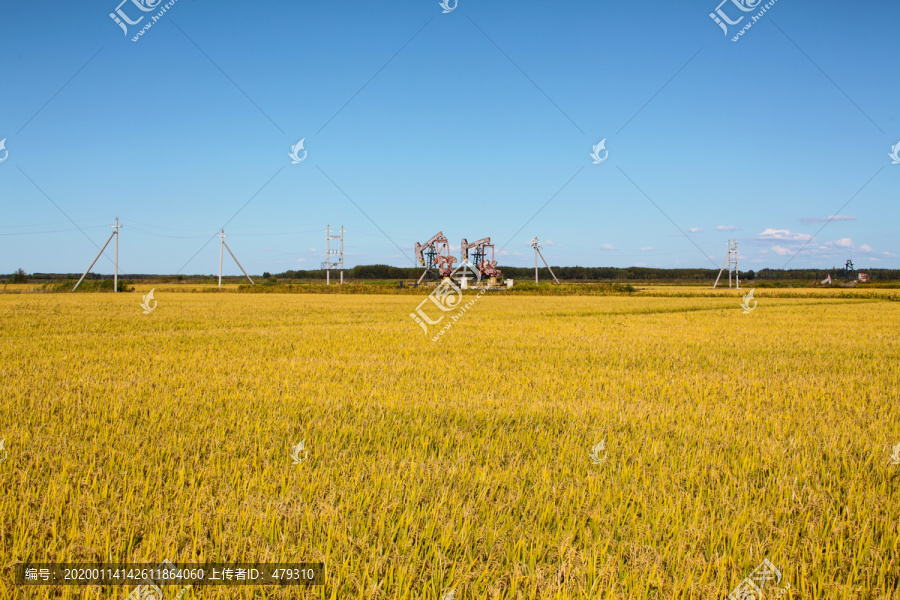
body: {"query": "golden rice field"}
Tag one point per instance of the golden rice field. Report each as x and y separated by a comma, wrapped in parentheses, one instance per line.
(458, 468)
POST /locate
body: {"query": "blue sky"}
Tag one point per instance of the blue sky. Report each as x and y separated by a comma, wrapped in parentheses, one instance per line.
(478, 122)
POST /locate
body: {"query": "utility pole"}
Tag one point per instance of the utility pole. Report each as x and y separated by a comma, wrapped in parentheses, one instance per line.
(731, 259)
(221, 254)
(329, 263)
(221, 251)
(116, 275)
(537, 250)
(733, 264)
(328, 254)
(729, 265)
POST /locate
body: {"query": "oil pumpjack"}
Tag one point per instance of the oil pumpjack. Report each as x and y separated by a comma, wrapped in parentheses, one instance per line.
(435, 256)
(487, 266)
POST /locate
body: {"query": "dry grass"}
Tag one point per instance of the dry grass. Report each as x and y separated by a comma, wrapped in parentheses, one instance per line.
(459, 464)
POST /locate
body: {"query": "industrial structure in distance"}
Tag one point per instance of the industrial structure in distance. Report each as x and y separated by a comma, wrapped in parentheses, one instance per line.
(435, 256)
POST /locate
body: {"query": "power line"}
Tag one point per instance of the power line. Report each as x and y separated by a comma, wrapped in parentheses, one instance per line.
(103, 219)
(57, 205)
(165, 235)
(51, 231)
(230, 220)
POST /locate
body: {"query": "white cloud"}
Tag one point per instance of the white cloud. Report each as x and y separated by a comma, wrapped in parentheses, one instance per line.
(607, 247)
(640, 264)
(813, 248)
(312, 249)
(695, 230)
(886, 253)
(808, 220)
(783, 235)
(647, 248)
(726, 228)
(300, 260)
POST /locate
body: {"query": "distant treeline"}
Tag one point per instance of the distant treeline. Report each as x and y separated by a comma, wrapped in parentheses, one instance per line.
(607, 274)
(20, 277)
(382, 272)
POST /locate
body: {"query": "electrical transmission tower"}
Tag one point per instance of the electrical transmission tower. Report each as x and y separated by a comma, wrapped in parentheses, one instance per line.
(732, 261)
(222, 248)
(329, 263)
(537, 252)
(115, 234)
